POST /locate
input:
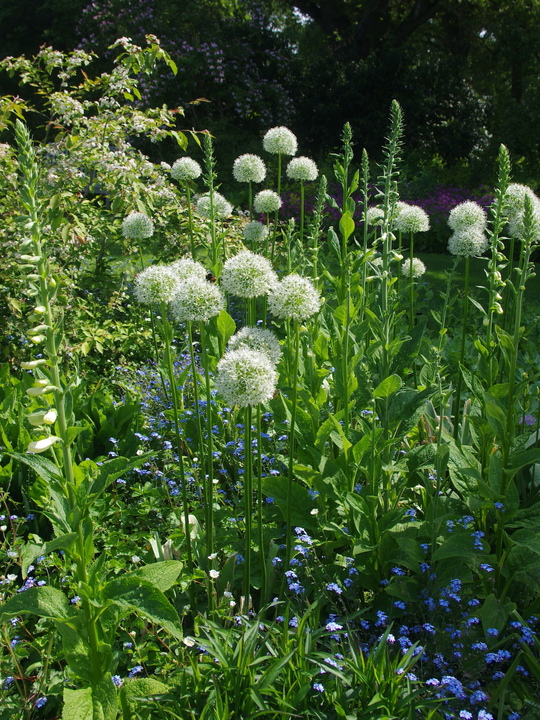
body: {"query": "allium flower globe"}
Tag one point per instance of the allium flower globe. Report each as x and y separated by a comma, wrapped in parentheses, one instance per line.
(185, 169)
(222, 208)
(470, 242)
(280, 141)
(418, 268)
(411, 219)
(374, 216)
(137, 226)
(249, 168)
(302, 168)
(515, 206)
(156, 284)
(198, 300)
(245, 377)
(186, 268)
(267, 201)
(466, 215)
(259, 339)
(248, 275)
(255, 232)
(294, 297)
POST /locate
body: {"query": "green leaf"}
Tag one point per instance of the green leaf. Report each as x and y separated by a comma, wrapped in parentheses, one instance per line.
(162, 575)
(41, 601)
(456, 545)
(528, 539)
(64, 542)
(135, 594)
(225, 325)
(78, 704)
(40, 465)
(110, 470)
(29, 552)
(141, 688)
(387, 387)
(346, 225)
(301, 502)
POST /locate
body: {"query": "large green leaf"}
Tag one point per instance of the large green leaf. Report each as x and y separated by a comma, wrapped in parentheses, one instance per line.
(41, 601)
(456, 545)
(78, 704)
(134, 594)
(162, 575)
(301, 502)
(40, 465)
(387, 387)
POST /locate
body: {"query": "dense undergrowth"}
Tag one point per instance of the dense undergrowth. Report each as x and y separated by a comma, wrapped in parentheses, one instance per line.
(253, 465)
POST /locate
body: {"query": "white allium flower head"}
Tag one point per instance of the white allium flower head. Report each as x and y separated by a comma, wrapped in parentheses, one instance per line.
(515, 206)
(186, 268)
(280, 140)
(467, 214)
(411, 219)
(259, 339)
(294, 297)
(222, 208)
(267, 201)
(471, 241)
(374, 216)
(245, 377)
(185, 169)
(197, 299)
(418, 268)
(156, 284)
(255, 232)
(137, 226)
(248, 275)
(302, 168)
(249, 168)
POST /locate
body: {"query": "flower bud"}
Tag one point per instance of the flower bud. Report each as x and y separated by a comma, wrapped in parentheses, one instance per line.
(33, 364)
(40, 446)
(37, 391)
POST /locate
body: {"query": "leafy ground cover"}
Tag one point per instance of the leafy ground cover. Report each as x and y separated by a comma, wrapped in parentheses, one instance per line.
(253, 465)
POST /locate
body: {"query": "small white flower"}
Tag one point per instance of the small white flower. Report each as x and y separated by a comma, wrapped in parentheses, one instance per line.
(222, 208)
(280, 140)
(156, 284)
(249, 168)
(255, 232)
(468, 242)
(248, 275)
(266, 201)
(137, 226)
(411, 219)
(197, 299)
(259, 339)
(43, 417)
(40, 446)
(466, 215)
(214, 574)
(135, 559)
(185, 169)
(418, 268)
(245, 377)
(213, 556)
(302, 168)
(188, 641)
(294, 297)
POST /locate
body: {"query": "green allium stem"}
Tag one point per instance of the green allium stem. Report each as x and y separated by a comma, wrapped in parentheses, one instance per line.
(465, 316)
(292, 436)
(248, 501)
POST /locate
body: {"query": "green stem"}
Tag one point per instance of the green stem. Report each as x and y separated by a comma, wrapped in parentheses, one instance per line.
(292, 436)
(209, 447)
(262, 549)
(248, 500)
(457, 402)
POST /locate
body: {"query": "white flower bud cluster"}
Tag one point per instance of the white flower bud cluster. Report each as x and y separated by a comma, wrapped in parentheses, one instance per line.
(137, 226)
(418, 268)
(280, 141)
(245, 377)
(294, 297)
(266, 201)
(156, 284)
(222, 208)
(255, 232)
(514, 200)
(197, 299)
(255, 338)
(185, 169)
(249, 168)
(411, 218)
(374, 216)
(468, 221)
(302, 168)
(248, 275)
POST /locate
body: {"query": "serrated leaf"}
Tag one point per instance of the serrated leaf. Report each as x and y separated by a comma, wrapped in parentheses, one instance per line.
(162, 575)
(78, 704)
(41, 601)
(137, 595)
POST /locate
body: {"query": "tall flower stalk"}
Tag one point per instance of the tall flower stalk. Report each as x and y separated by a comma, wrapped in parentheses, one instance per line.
(185, 171)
